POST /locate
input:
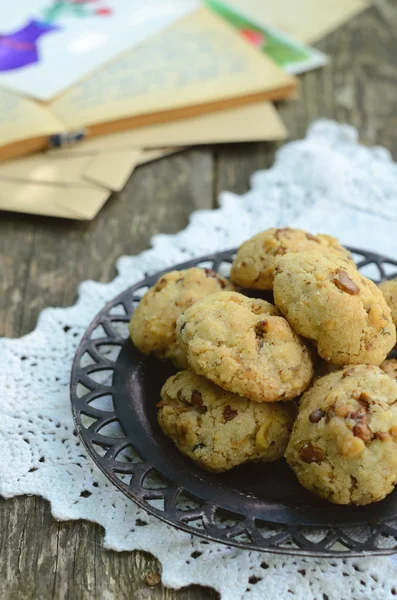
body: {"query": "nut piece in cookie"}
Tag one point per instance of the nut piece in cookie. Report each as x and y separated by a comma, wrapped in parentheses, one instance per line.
(254, 264)
(330, 302)
(390, 367)
(152, 326)
(245, 347)
(343, 445)
(389, 291)
(220, 430)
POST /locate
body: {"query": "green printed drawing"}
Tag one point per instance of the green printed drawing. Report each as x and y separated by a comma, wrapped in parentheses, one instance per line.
(19, 49)
(281, 50)
(76, 8)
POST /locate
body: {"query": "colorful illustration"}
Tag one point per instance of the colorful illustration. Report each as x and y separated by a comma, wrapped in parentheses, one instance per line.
(77, 8)
(46, 46)
(20, 48)
(289, 54)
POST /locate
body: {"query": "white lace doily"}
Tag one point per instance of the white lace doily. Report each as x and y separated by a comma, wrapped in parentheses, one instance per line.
(325, 183)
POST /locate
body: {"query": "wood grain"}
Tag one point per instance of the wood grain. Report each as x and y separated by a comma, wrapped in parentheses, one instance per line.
(43, 260)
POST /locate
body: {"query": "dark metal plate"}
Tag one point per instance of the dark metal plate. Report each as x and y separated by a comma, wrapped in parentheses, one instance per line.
(114, 390)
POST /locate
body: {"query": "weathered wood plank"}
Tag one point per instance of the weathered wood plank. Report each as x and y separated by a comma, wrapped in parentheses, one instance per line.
(43, 261)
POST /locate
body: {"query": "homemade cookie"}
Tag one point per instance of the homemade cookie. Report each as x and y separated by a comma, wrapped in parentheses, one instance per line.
(254, 264)
(244, 346)
(390, 367)
(152, 326)
(389, 291)
(330, 302)
(343, 445)
(220, 430)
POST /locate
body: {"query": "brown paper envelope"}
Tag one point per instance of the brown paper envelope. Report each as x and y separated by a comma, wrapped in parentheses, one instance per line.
(108, 169)
(147, 156)
(61, 187)
(307, 20)
(72, 202)
(255, 122)
(113, 169)
(41, 168)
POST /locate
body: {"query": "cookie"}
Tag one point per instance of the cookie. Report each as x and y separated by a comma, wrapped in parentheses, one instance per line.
(254, 264)
(152, 326)
(389, 291)
(330, 302)
(220, 430)
(245, 347)
(390, 367)
(343, 445)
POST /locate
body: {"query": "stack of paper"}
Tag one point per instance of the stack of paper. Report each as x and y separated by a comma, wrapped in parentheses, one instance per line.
(197, 66)
(191, 75)
(73, 187)
(75, 183)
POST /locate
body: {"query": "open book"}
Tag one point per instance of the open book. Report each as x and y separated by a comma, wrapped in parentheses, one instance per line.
(196, 66)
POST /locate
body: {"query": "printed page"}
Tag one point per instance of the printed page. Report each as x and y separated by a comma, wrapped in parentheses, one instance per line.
(22, 119)
(290, 54)
(48, 45)
(307, 20)
(199, 60)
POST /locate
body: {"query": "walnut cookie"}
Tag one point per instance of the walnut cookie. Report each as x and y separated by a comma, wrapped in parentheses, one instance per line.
(343, 445)
(254, 264)
(152, 326)
(245, 347)
(330, 302)
(220, 430)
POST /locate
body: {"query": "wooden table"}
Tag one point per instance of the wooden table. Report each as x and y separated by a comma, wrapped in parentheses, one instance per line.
(44, 260)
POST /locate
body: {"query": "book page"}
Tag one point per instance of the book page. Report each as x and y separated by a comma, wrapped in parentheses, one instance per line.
(289, 53)
(307, 20)
(22, 119)
(198, 60)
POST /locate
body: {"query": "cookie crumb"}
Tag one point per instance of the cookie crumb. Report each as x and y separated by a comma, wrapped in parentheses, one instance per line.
(153, 579)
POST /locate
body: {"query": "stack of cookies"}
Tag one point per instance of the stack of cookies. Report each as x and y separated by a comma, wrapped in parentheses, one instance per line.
(245, 363)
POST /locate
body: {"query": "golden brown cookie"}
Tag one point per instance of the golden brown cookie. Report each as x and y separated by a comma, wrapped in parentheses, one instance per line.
(330, 302)
(152, 326)
(220, 430)
(244, 346)
(254, 264)
(390, 367)
(343, 445)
